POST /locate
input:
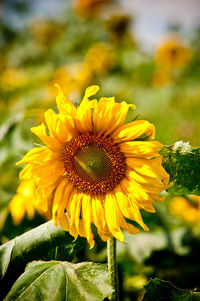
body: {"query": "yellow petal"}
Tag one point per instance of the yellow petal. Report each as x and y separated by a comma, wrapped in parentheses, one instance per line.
(130, 186)
(51, 119)
(98, 213)
(104, 235)
(73, 205)
(90, 91)
(17, 209)
(87, 218)
(26, 173)
(109, 115)
(149, 167)
(128, 208)
(147, 183)
(51, 142)
(35, 155)
(140, 148)
(134, 130)
(84, 111)
(144, 204)
(58, 197)
(113, 216)
(64, 105)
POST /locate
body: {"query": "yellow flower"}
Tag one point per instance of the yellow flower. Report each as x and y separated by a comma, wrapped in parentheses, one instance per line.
(25, 202)
(100, 58)
(186, 208)
(89, 8)
(12, 78)
(172, 54)
(100, 169)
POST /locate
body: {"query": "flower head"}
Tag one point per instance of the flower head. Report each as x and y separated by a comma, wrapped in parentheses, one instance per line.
(172, 54)
(25, 202)
(186, 208)
(101, 170)
(89, 8)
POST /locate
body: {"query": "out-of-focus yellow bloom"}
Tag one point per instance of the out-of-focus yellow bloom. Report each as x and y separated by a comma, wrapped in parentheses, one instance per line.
(186, 208)
(73, 79)
(88, 8)
(26, 202)
(100, 58)
(12, 78)
(100, 169)
(172, 54)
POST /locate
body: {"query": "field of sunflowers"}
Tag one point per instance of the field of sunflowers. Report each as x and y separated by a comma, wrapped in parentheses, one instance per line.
(99, 158)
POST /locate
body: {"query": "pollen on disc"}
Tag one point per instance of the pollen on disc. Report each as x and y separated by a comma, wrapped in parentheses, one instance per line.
(92, 163)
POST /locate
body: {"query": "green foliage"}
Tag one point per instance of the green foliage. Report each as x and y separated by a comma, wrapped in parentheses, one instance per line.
(162, 290)
(44, 242)
(59, 281)
(182, 162)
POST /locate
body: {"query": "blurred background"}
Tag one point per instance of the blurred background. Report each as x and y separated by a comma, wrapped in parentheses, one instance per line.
(145, 52)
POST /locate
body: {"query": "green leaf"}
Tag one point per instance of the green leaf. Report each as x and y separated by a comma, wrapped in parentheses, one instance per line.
(182, 162)
(5, 256)
(45, 242)
(59, 281)
(161, 290)
(34, 244)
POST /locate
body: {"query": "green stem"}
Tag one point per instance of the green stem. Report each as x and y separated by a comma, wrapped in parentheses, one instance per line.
(112, 267)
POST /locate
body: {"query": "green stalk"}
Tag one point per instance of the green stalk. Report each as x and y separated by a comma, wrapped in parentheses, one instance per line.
(112, 268)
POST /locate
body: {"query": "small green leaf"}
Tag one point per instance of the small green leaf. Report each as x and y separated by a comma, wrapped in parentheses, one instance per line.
(182, 162)
(161, 290)
(59, 281)
(5, 256)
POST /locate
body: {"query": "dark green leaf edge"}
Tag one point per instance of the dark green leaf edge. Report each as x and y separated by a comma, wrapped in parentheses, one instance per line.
(165, 290)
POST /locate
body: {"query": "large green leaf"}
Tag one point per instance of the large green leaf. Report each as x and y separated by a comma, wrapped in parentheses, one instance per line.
(59, 281)
(182, 162)
(44, 242)
(158, 289)
(35, 243)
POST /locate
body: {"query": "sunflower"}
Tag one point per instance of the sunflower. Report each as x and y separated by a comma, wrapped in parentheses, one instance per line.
(186, 208)
(172, 54)
(25, 202)
(100, 170)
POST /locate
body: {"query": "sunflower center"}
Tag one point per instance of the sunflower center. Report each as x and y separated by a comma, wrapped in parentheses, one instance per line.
(94, 164)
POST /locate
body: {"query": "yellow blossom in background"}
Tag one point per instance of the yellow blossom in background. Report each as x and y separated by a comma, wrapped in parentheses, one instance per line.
(88, 8)
(172, 54)
(25, 202)
(100, 58)
(73, 79)
(186, 208)
(12, 78)
(100, 170)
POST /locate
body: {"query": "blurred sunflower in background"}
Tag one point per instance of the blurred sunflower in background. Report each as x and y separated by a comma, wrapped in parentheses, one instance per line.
(187, 208)
(172, 54)
(102, 170)
(88, 8)
(25, 203)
